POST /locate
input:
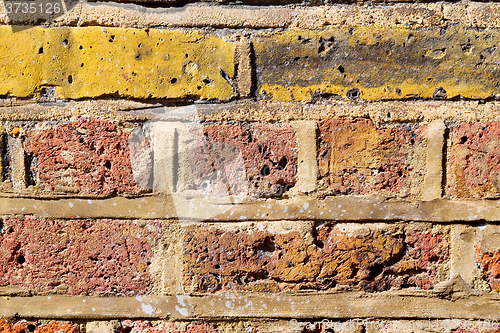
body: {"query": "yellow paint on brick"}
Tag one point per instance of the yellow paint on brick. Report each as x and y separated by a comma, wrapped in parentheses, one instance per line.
(94, 61)
(382, 62)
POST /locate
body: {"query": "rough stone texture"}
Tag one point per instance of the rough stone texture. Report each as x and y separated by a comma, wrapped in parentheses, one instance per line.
(23, 326)
(87, 62)
(416, 15)
(374, 62)
(490, 264)
(144, 326)
(357, 158)
(259, 159)
(89, 156)
(258, 260)
(474, 161)
(87, 257)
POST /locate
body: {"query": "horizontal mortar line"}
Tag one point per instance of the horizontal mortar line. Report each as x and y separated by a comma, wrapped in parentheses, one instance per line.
(231, 209)
(248, 110)
(342, 306)
(262, 17)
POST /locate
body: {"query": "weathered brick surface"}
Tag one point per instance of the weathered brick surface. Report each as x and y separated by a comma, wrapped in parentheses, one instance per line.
(88, 156)
(87, 257)
(357, 158)
(490, 265)
(144, 326)
(87, 62)
(24, 326)
(374, 62)
(258, 260)
(259, 159)
(474, 161)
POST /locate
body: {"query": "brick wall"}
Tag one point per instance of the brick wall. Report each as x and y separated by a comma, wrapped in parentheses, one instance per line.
(290, 166)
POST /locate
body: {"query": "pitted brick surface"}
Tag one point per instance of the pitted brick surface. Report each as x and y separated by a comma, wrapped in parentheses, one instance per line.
(24, 326)
(87, 257)
(258, 260)
(474, 162)
(91, 156)
(261, 156)
(357, 158)
(490, 265)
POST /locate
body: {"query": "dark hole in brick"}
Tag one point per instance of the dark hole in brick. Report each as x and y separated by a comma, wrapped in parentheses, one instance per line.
(81, 47)
(186, 55)
(388, 115)
(40, 50)
(108, 164)
(81, 65)
(21, 260)
(341, 69)
(207, 81)
(217, 266)
(283, 162)
(70, 79)
(353, 94)
(112, 39)
(199, 87)
(400, 173)
(138, 56)
(10, 230)
(31, 328)
(47, 92)
(265, 171)
(65, 42)
(173, 81)
(288, 186)
(463, 140)
(412, 141)
(398, 91)
(1, 225)
(439, 93)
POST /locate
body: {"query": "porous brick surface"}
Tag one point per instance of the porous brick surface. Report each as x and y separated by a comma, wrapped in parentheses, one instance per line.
(355, 157)
(490, 265)
(474, 161)
(259, 159)
(259, 260)
(87, 257)
(23, 326)
(374, 62)
(89, 156)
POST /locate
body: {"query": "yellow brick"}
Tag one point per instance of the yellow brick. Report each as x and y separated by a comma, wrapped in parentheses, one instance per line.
(95, 61)
(381, 62)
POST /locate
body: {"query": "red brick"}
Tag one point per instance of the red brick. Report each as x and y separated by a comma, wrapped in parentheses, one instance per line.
(474, 162)
(23, 326)
(102, 256)
(261, 261)
(490, 265)
(357, 158)
(144, 326)
(91, 156)
(263, 156)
